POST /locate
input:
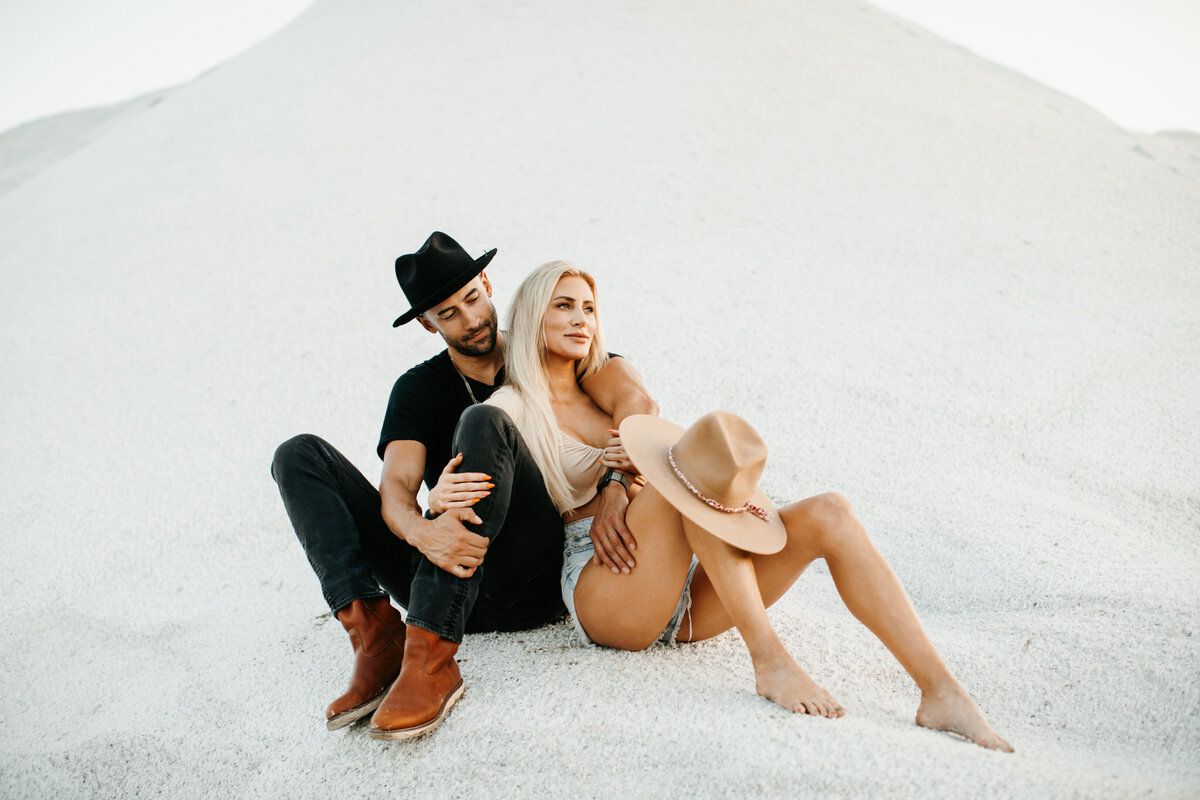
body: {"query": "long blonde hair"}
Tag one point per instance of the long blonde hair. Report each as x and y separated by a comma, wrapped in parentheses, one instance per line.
(526, 369)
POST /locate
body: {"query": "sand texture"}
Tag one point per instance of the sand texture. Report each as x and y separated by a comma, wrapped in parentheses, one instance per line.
(962, 299)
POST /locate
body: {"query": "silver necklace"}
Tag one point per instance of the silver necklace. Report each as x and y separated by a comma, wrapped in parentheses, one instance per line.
(474, 400)
(463, 378)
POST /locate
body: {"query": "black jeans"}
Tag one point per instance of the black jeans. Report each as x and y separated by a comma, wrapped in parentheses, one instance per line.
(336, 514)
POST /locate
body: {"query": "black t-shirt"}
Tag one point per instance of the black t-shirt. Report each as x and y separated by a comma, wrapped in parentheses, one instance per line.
(424, 407)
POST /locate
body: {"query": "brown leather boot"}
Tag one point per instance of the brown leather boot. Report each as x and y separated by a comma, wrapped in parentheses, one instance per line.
(428, 686)
(377, 634)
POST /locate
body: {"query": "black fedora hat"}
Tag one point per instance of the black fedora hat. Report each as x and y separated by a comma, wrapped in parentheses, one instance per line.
(439, 269)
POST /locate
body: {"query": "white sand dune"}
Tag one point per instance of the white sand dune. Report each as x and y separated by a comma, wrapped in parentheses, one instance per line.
(964, 300)
(34, 146)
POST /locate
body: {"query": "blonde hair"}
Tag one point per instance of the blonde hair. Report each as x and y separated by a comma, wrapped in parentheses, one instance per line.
(526, 370)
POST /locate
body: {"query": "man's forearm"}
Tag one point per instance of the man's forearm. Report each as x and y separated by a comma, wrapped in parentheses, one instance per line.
(619, 391)
(444, 541)
(635, 402)
(401, 511)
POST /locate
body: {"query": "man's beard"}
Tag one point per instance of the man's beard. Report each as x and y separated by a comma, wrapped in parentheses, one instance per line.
(483, 346)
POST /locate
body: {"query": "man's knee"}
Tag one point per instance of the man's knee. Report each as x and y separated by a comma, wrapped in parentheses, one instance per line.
(294, 452)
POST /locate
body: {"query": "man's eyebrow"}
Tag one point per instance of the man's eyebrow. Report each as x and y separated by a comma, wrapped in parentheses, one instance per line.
(451, 307)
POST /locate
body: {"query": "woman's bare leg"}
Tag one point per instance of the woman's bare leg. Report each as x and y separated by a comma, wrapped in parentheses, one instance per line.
(629, 612)
(825, 527)
(874, 595)
(777, 676)
(819, 527)
(648, 596)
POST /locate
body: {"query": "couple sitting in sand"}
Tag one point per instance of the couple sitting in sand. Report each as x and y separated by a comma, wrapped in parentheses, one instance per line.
(667, 536)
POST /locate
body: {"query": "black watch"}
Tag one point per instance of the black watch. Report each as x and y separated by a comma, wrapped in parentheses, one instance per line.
(613, 476)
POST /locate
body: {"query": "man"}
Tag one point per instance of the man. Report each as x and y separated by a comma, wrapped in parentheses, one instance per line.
(487, 554)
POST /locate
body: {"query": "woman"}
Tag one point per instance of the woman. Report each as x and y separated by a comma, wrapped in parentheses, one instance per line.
(711, 551)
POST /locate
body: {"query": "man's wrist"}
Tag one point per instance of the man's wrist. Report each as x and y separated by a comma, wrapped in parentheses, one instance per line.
(412, 526)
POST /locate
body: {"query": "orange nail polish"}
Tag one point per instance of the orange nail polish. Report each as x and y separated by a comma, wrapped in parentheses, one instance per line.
(491, 486)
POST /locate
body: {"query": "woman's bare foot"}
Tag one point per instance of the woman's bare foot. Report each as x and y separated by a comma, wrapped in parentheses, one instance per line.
(950, 709)
(782, 681)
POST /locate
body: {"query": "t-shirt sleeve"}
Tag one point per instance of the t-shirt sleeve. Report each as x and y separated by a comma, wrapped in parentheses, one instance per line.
(411, 412)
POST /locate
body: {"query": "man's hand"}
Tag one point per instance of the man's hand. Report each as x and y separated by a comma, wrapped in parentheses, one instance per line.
(615, 456)
(449, 545)
(458, 490)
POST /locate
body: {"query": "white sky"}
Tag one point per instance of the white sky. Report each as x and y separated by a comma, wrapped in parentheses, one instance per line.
(59, 55)
(1137, 61)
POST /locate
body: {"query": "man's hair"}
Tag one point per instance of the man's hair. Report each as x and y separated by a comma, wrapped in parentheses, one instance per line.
(525, 366)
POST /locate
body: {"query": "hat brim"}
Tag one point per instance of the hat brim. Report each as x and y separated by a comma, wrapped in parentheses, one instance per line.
(647, 439)
(448, 287)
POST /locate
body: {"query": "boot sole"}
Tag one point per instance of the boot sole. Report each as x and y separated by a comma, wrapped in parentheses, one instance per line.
(355, 714)
(426, 727)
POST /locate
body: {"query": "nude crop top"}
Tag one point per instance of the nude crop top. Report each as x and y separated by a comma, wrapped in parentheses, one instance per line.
(580, 461)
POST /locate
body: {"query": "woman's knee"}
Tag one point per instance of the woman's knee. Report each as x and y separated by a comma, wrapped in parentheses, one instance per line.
(832, 507)
(830, 516)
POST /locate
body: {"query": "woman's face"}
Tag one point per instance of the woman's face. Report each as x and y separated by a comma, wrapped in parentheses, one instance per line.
(570, 321)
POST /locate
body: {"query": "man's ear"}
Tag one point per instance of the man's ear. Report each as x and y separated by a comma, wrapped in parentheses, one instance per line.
(427, 325)
(487, 285)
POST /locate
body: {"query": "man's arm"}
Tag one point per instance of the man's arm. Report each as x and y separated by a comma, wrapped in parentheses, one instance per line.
(444, 541)
(619, 391)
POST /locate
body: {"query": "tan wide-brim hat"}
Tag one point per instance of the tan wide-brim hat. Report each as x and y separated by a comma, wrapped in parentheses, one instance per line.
(722, 458)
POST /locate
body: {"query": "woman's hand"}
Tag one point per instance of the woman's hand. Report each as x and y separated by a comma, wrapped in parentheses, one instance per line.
(458, 491)
(615, 456)
(612, 540)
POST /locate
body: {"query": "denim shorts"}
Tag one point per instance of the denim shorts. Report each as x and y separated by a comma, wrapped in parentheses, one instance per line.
(578, 550)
